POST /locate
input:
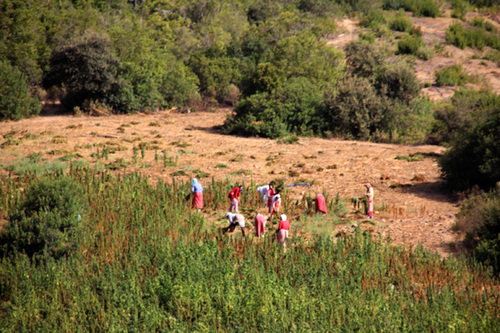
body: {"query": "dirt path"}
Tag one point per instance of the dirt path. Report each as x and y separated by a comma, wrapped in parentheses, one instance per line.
(408, 202)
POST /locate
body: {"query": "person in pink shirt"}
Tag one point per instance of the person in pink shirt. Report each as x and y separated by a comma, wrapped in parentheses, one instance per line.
(283, 228)
(260, 225)
(320, 204)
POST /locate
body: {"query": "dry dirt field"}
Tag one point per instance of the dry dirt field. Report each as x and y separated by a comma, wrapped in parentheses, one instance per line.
(409, 205)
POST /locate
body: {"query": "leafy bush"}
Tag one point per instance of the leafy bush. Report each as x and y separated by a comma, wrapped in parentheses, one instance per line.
(47, 221)
(479, 219)
(401, 23)
(16, 101)
(459, 8)
(475, 157)
(409, 45)
(461, 36)
(453, 75)
(292, 108)
(363, 58)
(468, 108)
(427, 8)
(398, 81)
(356, 111)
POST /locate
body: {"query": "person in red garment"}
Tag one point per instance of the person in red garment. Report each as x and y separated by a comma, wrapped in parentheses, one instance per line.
(283, 228)
(270, 195)
(276, 203)
(369, 197)
(260, 225)
(197, 190)
(320, 204)
(234, 196)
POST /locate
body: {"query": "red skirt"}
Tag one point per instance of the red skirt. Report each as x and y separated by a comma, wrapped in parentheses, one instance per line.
(198, 200)
(320, 203)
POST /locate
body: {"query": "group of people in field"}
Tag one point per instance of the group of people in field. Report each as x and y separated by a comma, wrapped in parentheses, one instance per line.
(272, 200)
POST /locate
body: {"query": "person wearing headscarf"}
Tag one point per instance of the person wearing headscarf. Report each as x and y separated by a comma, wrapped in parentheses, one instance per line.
(234, 221)
(270, 195)
(263, 193)
(234, 196)
(275, 204)
(320, 204)
(197, 190)
(283, 228)
(260, 225)
(369, 197)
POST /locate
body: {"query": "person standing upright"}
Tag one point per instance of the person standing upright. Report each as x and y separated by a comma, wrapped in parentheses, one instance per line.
(197, 190)
(369, 197)
(270, 195)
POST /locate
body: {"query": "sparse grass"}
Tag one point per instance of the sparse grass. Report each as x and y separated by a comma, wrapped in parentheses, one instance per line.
(221, 166)
(179, 173)
(180, 144)
(154, 124)
(238, 158)
(453, 75)
(410, 158)
(242, 172)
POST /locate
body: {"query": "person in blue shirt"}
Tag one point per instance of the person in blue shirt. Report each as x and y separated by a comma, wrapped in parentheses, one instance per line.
(197, 190)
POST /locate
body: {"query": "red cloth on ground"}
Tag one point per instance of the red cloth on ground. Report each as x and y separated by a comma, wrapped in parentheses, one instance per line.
(320, 203)
(260, 225)
(198, 200)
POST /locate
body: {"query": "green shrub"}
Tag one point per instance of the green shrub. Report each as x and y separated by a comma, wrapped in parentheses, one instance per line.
(453, 75)
(47, 221)
(16, 101)
(459, 9)
(477, 38)
(427, 8)
(493, 55)
(363, 58)
(409, 45)
(374, 19)
(292, 108)
(401, 23)
(468, 108)
(479, 219)
(398, 81)
(474, 159)
(356, 111)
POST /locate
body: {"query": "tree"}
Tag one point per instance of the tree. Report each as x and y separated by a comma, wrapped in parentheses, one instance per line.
(16, 101)
(363, 58)
(86, 67)
(475, 158)
(356, 110)
(398, 81)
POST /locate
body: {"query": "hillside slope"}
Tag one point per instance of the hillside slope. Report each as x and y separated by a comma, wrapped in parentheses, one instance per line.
(409, 205)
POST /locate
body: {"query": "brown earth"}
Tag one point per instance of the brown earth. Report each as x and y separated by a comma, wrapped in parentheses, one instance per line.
(410, 207)
(433, 30)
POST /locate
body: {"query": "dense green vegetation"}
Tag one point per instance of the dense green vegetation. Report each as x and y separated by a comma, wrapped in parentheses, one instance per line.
(145, 262)
(126, 56)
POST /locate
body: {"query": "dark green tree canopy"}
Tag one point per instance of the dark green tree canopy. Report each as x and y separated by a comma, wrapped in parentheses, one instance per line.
(85, 67)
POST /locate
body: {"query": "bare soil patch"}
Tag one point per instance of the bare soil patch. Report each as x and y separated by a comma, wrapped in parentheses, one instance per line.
(409, 204)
